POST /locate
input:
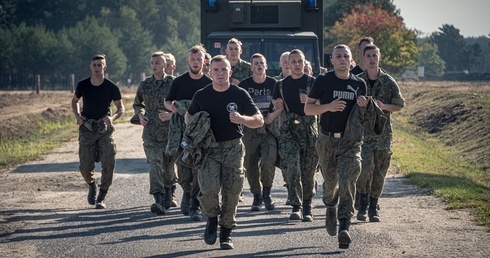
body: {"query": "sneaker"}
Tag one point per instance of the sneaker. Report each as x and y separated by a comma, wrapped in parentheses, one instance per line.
(331, 220)
(210, 233)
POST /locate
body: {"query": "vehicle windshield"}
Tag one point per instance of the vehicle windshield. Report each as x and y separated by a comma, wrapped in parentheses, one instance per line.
(271, 49)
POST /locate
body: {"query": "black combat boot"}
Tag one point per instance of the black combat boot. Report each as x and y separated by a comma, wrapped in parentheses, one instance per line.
(167, 198)
(373, 211)
(92, 193)
(225, 238)
(157, 207)
(344, 236)
(195, 210)
(185, 203)
(363, 205)
(331, 220)
(257, 203)
(100, 199)
(210, 234)
(307, 214)
(295, 214)
(266, 196)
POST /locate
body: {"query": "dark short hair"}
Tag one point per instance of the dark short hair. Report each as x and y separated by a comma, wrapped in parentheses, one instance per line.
(339, 46)
(257, 55)
(98, 57)
(220, 58)
(370, 47)
(296, 51)
(365, 39)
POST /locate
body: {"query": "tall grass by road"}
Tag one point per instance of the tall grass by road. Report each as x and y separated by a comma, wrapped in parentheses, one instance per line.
(435, 160)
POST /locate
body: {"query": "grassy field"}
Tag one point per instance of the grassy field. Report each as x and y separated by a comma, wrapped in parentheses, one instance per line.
(442, 143)
(28, 136)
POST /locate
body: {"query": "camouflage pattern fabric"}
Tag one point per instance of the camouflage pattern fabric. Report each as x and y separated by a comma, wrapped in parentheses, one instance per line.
(387, 91)
(241, 70)
(96, 143)
(177, 127)
(260, 159)
(376, 149)
(161, 167)
(298, 155)
(197, 141)
(375, 164)
(222, 171)
(149, 101)
(340, 160)
(188, 179)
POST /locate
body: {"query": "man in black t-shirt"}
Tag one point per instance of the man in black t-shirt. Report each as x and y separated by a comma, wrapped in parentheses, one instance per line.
(298, 134)
(96, 128)
(340, 155)
(181, 93)
(260, 143)
(230, 108)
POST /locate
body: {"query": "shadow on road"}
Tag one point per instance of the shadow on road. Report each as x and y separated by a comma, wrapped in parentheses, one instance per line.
(124, 166)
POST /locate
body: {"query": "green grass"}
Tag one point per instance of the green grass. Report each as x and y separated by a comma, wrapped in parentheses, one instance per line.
(430, 164)
(50, 134)
(45, 136)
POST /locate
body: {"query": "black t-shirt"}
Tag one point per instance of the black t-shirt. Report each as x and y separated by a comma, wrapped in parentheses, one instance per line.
(291, 89)
(356, 70)
(261, 93)
(219, 105)
(328, 87)
(97, 99)
(184, 87)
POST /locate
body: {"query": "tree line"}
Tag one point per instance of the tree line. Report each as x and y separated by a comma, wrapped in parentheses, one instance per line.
(56, 38)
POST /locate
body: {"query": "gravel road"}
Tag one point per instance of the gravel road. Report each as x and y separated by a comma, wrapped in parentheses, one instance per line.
(43, 213)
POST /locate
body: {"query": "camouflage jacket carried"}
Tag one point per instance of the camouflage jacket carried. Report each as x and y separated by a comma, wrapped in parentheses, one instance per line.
(177, 126)
(363, 122)
(149, 100)
(197, 141)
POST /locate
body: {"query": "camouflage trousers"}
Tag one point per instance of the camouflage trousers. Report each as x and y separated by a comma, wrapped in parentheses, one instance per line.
(375, 164)
(161, 167)
(340, 163)
(187, 178)
(96, 143)
(260, 159)
(301, 163)
(222, 171)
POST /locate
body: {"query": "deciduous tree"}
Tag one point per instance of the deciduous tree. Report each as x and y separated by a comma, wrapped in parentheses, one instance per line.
(396, 42)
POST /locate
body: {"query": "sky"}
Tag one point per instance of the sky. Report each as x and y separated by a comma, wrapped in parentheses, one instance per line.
(471, 17)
